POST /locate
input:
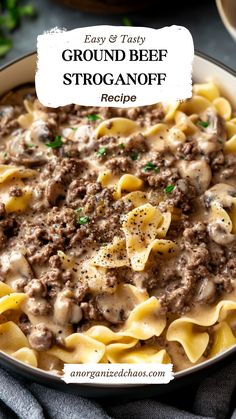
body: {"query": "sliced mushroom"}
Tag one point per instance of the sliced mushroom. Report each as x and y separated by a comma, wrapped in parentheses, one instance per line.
(19, 152)
(206, 291)
(54, 191)
(220, 234)
(116, 307)
(219, 198)
(6, 113)
(40, 132)
(16, 269)
(214, 135)
(65, 310)
(216, 125)
(198, 172)
(222, 193)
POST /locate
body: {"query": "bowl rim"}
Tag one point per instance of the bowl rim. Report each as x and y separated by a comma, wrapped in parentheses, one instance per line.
(42, 374)
(225, 19)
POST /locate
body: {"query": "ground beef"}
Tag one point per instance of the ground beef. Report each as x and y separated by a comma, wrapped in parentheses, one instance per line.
(137, 143)
(64, 169)
(99, 198)
(182, 195)
(81, 191)
(80, 291)
(119, 165)
(9, 226)
(36, 288)
(197, 255)
(148, 114)
(122, 207)
(2, 211)
(149, 279)
(177, 294)
(40, 255)
(39, 306)
(53, 282)
(24, 324)
(161, 179)
(8, 128)
(196, 234)
(90, 310)
(19, 284)
(224, 283)
(188, 150)
(55, 261)
(41, 338)
(231, 266)
(228, 169)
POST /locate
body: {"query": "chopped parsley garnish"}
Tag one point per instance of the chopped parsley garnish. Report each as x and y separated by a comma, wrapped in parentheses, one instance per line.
(101, 151)
(126, 21)
(202, 124)
(5, 46)
(150, 166)
(83, 220)
(11, 15)
(57, 143)
(121, 145)
(169, 189)
(78, 210)
(134, 156)
(27, 10)
(94, 117)
(5, 155)
(74, 128)
(29, 145)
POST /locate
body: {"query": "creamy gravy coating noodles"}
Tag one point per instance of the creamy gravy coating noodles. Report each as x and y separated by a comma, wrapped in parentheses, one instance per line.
(117, 231)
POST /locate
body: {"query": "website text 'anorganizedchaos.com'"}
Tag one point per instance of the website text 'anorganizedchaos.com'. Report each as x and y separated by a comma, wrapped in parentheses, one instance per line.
(118, 373)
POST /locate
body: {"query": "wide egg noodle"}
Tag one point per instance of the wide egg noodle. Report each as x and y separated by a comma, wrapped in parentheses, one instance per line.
(116, 126)
(208, 90)
(11, 176)
(119, 353)
(127, 183)
(12, 301)
(7, 172)
(145, 321)
(26, 355)
(11, 338)
(141, 229)
(137, 198)
(223, 338)
(185, 329)
(79, 349)
(112, 255)
(33, 114)
(196, 105)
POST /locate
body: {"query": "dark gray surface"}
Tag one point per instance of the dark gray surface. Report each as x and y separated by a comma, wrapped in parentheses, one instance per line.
(200, 17)
(213, 398)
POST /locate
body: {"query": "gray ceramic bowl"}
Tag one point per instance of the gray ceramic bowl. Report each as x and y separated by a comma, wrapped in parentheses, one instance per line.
(22, 71)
